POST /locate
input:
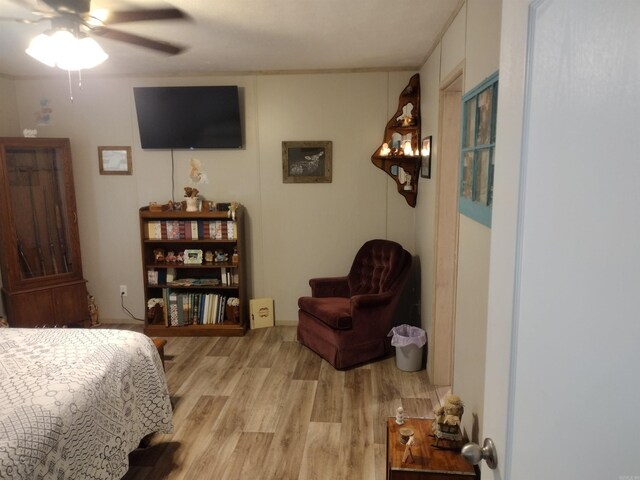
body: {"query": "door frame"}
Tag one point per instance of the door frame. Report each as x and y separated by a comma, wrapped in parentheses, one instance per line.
(445, 275)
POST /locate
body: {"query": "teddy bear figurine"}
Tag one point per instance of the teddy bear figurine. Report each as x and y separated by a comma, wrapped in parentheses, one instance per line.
(158, 255)
(446, 424)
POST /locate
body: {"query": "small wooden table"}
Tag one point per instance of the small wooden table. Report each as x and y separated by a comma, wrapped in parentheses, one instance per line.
(429, 463)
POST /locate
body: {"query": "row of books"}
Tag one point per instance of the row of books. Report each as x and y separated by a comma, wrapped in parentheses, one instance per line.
(191, 230)
(194, 308)
(228, 277)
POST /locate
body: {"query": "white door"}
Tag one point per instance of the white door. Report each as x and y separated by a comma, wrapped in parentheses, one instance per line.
(562, 386)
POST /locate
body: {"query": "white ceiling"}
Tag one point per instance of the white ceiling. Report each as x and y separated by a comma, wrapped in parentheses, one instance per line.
(252, 36)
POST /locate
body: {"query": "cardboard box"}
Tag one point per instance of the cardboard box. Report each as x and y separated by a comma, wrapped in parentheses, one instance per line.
(261, 310)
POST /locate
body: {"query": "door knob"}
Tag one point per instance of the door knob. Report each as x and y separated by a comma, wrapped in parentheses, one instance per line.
(474, 454)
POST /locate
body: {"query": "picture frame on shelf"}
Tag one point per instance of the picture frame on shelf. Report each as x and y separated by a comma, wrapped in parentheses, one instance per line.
(193, 257)
(307, 162)
(425, 153)
(114, 160)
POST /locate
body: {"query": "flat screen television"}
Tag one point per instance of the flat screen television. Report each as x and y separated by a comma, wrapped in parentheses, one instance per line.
(205, 117)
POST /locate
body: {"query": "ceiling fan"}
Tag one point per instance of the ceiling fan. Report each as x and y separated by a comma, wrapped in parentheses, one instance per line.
(76, 17)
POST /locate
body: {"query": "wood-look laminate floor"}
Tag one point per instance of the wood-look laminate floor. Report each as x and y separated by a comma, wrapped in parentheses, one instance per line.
(264, 407)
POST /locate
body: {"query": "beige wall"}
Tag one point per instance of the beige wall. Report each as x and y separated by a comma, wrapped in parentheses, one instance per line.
(296, 231)
(472, 40)
(9, 124)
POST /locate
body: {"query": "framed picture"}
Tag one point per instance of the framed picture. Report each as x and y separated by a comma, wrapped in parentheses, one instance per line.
(306, 162)
(425, 153)
(193, 257)
(114, 160)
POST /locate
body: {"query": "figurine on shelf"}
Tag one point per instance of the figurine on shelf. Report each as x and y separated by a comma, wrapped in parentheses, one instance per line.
(208, 256)
(191, 195)
(179, 257)
(446, 425)
(158, 255)
(396, 141)
(171, 257)
(234, 256)
(406, 119)
(407, 456)
(407, 149)
(221, 257)
(233, 206)
(400, 416)
(93, 310)
(155, 308)
(407, 184)
(174, 206)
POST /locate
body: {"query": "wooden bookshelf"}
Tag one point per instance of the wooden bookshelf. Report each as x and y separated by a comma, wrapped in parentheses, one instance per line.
(193, 288)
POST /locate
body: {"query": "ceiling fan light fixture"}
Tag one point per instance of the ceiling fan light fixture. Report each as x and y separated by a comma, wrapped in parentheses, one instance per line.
(41, 48)
(66, 51)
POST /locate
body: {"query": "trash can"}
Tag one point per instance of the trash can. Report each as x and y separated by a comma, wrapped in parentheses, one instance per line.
(409, 342)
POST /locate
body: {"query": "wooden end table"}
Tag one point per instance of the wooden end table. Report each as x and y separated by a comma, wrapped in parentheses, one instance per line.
(429, 463)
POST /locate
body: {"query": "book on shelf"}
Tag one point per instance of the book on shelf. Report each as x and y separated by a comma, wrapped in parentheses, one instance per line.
(173, 230)
(195, 308)
(173, 309)
(193, 282)
(154, 229)
(152, 277)
(191, 230)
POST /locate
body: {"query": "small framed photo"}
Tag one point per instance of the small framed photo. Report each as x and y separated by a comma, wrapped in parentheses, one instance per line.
(114, 160)
(307, 162)
(192, 257)
(425, 153)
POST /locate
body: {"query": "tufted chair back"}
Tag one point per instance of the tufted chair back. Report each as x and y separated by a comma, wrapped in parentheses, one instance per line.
(377, 267)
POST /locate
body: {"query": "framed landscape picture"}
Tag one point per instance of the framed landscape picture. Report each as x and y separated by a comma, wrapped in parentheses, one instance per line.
(307, 162)
(114, 160)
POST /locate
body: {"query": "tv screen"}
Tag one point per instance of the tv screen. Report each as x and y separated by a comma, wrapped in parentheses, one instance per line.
(188, 117)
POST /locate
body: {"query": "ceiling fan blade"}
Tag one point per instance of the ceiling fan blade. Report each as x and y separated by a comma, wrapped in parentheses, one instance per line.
(35, 8)
(120, 36)
(22, 20)
(144, 15)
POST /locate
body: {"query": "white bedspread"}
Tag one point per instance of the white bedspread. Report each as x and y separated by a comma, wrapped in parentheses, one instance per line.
(75, 402)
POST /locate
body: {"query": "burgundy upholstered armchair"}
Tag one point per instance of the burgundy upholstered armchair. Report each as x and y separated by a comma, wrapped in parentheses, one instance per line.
(346, 320)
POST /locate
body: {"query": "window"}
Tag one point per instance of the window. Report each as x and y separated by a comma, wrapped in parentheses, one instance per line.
(477, 152)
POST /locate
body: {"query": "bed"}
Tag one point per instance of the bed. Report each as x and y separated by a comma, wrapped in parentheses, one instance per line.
(75, 402)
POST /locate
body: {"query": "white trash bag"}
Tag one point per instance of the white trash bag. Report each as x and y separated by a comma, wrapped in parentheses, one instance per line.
(404, 335)
(409, 342)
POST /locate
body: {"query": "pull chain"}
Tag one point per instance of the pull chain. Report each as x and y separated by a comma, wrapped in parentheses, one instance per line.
(70, 89)
(79, 83)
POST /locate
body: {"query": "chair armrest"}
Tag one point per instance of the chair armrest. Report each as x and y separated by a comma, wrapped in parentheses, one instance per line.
(371, 300)
(329, 287)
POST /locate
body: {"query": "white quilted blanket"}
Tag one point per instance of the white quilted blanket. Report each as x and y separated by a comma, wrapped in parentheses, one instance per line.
(75, 402)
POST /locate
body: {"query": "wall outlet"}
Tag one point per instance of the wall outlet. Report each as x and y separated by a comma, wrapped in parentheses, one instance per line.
(123, 290)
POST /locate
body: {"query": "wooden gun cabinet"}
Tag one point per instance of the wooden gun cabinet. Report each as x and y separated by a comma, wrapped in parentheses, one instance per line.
(39, 240)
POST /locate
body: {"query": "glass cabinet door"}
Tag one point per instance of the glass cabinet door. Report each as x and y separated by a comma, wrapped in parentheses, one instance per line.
(40, 218)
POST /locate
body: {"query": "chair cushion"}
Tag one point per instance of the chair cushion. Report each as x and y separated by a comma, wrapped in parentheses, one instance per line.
(333, 311)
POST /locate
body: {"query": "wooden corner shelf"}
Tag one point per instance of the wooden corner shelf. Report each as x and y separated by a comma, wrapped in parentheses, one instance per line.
(403, 128)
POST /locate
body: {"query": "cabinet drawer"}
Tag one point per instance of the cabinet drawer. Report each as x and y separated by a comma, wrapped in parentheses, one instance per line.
(48, 307)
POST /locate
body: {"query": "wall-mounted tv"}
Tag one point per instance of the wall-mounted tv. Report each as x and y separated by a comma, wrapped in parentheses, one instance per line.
(204, 117)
